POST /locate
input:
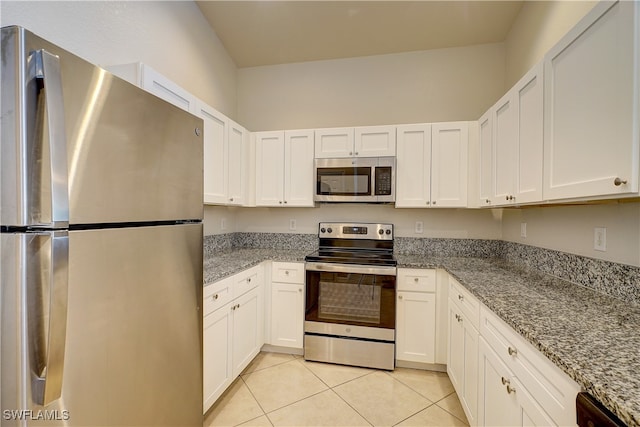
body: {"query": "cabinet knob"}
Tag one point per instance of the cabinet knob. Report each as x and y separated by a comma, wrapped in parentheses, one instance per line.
(231, 199)
(285, 202)
(510, 389)
(618, 182)
(505, 381)
(461, 297)
(415, 279)
(299, 289)
(487, 201)
(356, 153)
(351, 153)
(433, 203)
(248, 279)
(280, 202)
(286, 272)
(512, 351)
(399, 296)
(215, 297)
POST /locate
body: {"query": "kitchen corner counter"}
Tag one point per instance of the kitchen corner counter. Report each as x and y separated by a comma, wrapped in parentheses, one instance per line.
(227, 262)
(593, 338)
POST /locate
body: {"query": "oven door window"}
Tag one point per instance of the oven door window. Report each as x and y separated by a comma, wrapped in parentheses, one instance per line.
(348, 181)
(351, 298)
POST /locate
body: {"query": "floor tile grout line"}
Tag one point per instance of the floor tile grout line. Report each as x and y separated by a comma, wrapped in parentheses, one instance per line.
(266, 367)
(449, 412)
(416, 413)
(351, 406)
(256, 399)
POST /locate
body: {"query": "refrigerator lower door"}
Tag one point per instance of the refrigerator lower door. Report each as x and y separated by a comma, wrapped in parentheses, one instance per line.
(133, 337)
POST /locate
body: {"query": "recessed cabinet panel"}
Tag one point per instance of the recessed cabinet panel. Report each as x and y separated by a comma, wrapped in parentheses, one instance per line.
(217, 370)
(415, 329)
(449, 151)
(215, 155)
(375, 141)
(269, 168)
(334, 142)
(591, 106)
(237, 163)
(298, 174)
(505, 141)
(413, 172)
(530, 137)
(486, 159)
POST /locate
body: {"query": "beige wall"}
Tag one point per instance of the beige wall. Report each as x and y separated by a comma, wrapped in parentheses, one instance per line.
(172, 37)
(415, 87)
(539, 25)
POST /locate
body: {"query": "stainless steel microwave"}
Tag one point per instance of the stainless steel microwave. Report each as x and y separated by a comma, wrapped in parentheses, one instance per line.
(358, 179)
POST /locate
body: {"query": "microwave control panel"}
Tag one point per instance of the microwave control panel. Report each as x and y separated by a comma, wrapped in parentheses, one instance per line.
(383, 181)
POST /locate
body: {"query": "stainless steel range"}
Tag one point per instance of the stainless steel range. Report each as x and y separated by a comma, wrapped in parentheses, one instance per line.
(350, 308)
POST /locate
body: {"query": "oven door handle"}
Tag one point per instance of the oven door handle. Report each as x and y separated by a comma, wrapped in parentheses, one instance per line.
(350, 268)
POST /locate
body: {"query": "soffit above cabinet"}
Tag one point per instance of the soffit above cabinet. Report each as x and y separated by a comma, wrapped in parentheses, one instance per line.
(276, 32)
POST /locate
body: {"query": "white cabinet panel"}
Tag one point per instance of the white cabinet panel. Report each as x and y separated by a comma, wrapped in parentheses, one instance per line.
(269, 168)
(216, 362)
(505, 129)
(159, 85)
(591, 131)
(298, 163)
(215, 154)
(287, 310)
(375, 141)
(413, 171)
(485, 174)
(246, 330)
(415, 326)
(449, 164)
(237, 163)
(333, 142)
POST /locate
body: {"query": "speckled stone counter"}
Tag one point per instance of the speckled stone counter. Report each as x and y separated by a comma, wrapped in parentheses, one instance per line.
(592, 337)
(224, 263)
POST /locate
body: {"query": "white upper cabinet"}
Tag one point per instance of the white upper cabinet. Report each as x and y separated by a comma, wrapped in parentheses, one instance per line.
(485, 162)
(413, 166)
(284, 168)
(432, 165)
(367, 141)
(449, 164)
(152, 81)
(226, 150)
(591, 113)
(505, 130)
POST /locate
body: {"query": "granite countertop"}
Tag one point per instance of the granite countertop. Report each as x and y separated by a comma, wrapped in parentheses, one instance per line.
(593, 338)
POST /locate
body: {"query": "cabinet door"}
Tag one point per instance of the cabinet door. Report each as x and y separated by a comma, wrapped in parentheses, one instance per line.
(298, 163)
(215, 154)
(269, 168)
(485, 172)
(505, 134)
(237, 161)
(416, 327)
(375, 141)
(246, 333)
(413, 172)
(497, 406)
(469, 398)
(287, 311)
(455, 353)
(162, 87)
(334, 142)
(591, 134)
(217, 372)
(529, 163)
(449, 164)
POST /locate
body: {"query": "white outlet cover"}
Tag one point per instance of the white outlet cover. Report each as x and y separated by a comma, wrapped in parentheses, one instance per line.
(223, 224)
(600, 239)
(419, 227)
(523, 229)
(292, 224)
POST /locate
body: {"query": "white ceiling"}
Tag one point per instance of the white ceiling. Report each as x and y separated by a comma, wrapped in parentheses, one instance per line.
(275, 32)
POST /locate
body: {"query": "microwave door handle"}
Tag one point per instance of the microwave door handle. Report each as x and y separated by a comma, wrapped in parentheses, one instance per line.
(47, 369)
(47, 69)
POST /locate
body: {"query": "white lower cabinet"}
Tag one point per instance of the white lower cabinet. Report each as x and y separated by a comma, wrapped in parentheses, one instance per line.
(416, 316)
(233, 328)
(287, 305)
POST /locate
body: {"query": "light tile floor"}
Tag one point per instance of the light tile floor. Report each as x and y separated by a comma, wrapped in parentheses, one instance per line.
(285, 390)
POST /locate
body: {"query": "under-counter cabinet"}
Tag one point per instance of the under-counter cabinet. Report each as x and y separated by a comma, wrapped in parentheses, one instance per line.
(366, 141)
(416, 316)
(432, 165)
(462, 354)
(233, 329)
(226, 155)
(284, 168)
(516, 378)
(287, 305)
(591, 107)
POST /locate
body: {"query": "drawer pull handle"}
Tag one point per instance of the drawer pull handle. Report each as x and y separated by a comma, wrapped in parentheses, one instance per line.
(510, 389)
(458, 318)
(215, 297)
(505, 381)
(618, 182)
(512, 351)
(461, 297)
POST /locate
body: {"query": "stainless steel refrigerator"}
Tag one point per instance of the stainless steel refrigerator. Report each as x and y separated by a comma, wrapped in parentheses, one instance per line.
(101, 250)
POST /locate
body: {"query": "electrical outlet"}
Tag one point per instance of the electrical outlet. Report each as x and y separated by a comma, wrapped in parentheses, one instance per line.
(223, 224)
(419, 227)
(523, 229)
(600, 239)
(292, 224)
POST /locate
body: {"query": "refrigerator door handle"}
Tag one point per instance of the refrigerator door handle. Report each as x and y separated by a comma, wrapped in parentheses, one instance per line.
(47, 375)
(47, 68)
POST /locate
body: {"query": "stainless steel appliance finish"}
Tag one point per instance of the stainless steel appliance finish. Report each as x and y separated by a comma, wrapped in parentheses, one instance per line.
(101, 247)
(355, 180)
(350, 298)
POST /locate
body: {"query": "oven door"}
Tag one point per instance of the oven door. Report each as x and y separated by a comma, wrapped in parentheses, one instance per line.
(345, 180)
(350, 313)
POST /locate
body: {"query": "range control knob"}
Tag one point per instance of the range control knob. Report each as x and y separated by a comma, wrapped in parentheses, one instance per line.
(381, 232)
(329, 230)
(322, 230)
(388, 231)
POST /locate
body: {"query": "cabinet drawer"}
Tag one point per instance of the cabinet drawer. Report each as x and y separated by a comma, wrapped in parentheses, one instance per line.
(287, 272)
(463, 299)
(416, 280)
(216, 295)
(247, 280)
(550, 387)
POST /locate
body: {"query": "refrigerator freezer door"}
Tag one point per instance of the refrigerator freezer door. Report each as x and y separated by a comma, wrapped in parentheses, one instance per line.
(131, 157)
(134, 328)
